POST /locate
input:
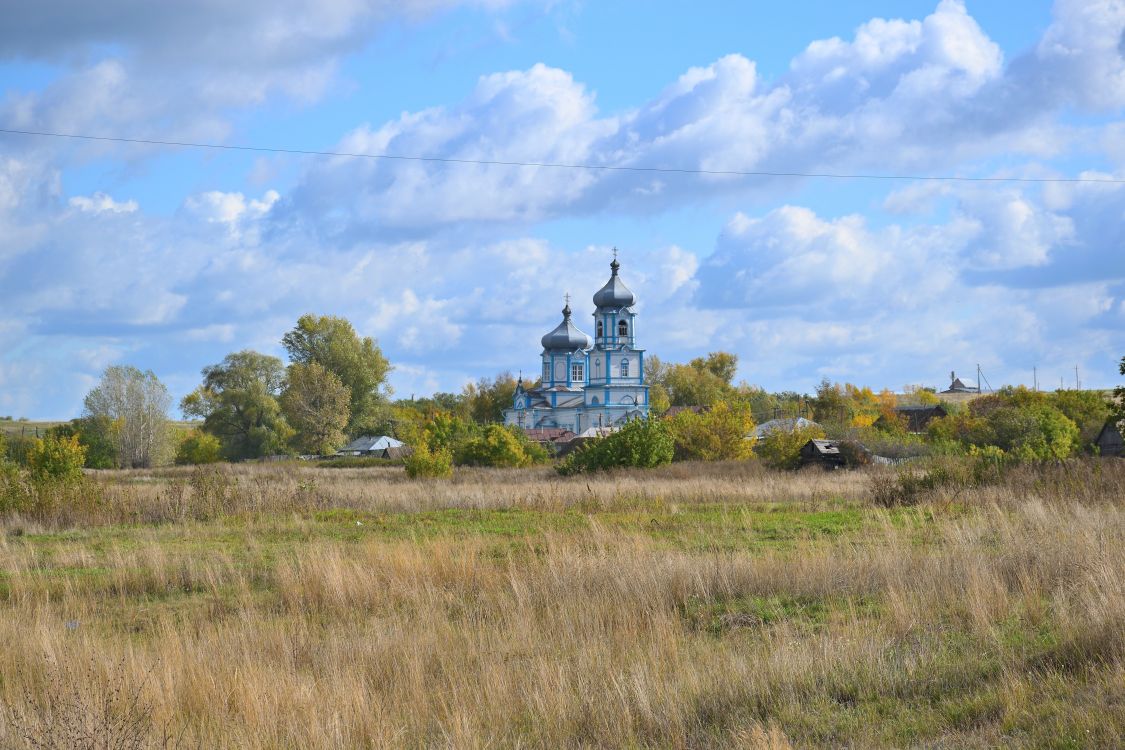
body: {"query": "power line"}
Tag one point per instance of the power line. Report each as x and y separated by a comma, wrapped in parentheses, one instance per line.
(560, 165)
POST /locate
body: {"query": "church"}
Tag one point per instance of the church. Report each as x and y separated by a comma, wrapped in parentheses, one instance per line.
(588, 385)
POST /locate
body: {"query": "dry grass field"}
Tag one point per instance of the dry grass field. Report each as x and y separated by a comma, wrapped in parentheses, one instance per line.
(278, 606)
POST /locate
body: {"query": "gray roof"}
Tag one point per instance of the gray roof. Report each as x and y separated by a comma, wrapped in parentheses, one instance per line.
(565, 336)
(614, 294)
(372, 443)
(788, 424)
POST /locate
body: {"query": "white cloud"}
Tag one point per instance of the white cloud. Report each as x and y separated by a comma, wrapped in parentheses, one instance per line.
(900, 96)
(99, 202)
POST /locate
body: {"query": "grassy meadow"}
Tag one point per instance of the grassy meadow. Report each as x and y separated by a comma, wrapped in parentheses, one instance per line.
(697, 605)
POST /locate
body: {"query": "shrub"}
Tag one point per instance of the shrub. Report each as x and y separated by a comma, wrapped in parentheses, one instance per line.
(640, 443)
(55, 457)
(198, 447)
(718, 434)
(425, 462)
(781, 449)
(501, 446)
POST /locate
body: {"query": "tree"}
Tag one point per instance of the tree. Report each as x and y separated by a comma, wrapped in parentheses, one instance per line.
(1034, 431)
(1087, 409)
(488, 398)
(718, 434)
(136, 404)
(658, 398)
(358, 362)
(1119, 396)
(238, 404)
(97, 435)
(781, 449)
(316, 405)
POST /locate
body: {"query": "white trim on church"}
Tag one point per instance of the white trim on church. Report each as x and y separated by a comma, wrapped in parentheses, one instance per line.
(588, 386)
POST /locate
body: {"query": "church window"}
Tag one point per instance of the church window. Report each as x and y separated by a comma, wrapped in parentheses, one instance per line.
(576, 374)
(546, 372)
(624, 368)
(599, 334)
(622, 328)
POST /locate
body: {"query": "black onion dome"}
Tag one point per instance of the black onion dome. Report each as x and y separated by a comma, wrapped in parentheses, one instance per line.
(614, 294)
(566, 337)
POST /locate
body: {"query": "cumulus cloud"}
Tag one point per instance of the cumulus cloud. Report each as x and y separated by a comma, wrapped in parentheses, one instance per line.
(899, 95)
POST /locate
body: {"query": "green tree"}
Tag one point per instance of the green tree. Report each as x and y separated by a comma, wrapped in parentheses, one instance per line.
(1034, 431)
(316, 405)
(198, 447)
(1087, 409)
(60, 458)
(238, 404)
(640, 443)
(781, 449)
(718, 434)
(97, 434)
(358, 362)
(136, 404)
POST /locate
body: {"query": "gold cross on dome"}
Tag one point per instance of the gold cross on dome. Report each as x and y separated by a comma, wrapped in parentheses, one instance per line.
(615, 253)
(567, 298)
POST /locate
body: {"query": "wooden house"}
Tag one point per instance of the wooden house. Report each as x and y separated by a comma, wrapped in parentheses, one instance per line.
(824, 453)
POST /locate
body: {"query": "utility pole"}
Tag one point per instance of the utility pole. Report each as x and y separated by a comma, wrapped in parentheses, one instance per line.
(1077, 382)
(1035, 378)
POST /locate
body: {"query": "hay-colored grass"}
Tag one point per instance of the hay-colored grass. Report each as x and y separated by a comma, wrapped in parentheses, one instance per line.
(696, 606)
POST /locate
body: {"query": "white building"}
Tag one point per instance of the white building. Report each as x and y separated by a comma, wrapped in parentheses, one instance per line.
(584, 385)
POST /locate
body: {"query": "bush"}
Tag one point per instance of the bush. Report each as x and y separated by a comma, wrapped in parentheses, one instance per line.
(54, 457)
(425, 462)
(909, 486)
(500, 446)
(719, 434)
(781, 449)
(640, 443)
(198, 447)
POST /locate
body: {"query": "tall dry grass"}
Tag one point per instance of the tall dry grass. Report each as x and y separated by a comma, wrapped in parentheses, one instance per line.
(1004, 625)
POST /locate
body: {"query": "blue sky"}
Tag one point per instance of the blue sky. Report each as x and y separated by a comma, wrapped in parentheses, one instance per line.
(170, 258)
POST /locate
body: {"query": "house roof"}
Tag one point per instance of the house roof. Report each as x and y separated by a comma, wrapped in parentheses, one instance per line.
(825, 447)
(373, 443)
(548, 434)
(787, 424)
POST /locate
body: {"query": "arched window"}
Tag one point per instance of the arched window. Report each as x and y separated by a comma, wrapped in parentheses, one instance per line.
(599, 333)
(624, 368)
(622, 328)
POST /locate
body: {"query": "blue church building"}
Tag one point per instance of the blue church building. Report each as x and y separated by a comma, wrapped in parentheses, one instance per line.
(588, 384)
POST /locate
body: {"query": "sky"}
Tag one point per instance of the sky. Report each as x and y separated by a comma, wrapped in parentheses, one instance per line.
(169, 258)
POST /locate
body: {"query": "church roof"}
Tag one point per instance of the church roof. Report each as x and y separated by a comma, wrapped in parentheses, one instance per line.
(566, 336)
(614, 293)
